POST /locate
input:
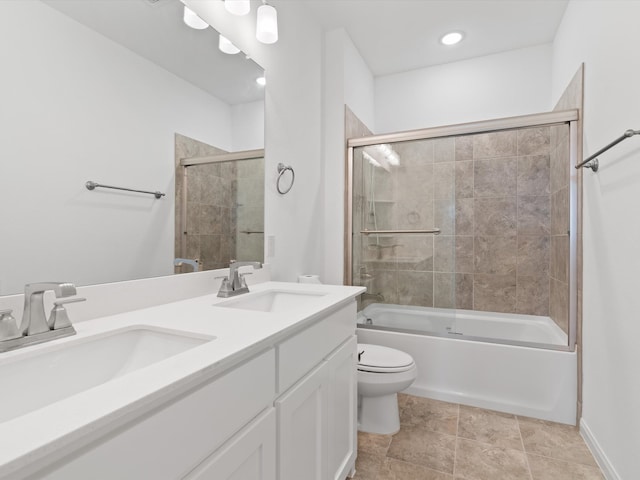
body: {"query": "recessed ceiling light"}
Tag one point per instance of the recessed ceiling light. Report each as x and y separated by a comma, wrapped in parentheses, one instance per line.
(451, 38)
(261, 81)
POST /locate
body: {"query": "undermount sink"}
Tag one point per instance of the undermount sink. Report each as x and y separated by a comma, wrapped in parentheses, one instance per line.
(274, 301)
(31, 382)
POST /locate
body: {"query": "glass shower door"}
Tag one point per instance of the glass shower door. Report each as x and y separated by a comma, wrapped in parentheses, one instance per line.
(403, 220)
(499, 267)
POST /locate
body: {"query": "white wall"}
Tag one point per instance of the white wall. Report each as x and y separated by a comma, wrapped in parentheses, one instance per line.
(501, 85)
(359, 84)
(293, 106)
(78, 107)
(602, 35)
(247, 126)
(347, 81)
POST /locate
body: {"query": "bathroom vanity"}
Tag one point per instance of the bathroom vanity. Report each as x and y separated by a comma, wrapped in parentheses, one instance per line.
(260, 386)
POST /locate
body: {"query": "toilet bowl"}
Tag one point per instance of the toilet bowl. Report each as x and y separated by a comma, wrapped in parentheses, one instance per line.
(382, 373)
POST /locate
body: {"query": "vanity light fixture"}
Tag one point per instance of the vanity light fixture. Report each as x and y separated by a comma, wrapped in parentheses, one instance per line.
(381, 155)
(193, 20)
(389, 154)
(225, 45)
(262, 81)
(237, 7)
(373, 161)
(267, 25)
(451, 38)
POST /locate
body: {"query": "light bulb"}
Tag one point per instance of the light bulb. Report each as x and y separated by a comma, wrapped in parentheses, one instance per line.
(261, 81)
(237, 7)
(267, 27)
(225, 45)
(193, 20)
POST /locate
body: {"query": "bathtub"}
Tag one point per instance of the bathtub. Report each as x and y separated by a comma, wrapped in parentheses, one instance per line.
(516, 364)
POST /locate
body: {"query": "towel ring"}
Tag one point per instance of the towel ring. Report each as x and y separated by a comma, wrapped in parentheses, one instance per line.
(281, 169)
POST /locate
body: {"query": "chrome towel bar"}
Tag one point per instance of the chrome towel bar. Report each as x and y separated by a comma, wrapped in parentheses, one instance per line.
(92, 186)
(592, 161)
(435, 231)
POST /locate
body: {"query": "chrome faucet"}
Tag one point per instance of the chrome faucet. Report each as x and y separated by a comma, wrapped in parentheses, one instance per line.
(372, 296)
(33, 318)
(235, 284)
(34, 327)
(179, 262)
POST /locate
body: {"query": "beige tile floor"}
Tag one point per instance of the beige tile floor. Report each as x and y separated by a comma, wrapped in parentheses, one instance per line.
(445, 441)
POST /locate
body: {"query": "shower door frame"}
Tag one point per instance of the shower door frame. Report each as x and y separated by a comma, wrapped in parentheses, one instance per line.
(546, 119)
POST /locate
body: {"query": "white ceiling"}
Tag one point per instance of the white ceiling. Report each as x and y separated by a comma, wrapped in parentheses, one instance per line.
(400, 35)
(391, 35)
(157, 32)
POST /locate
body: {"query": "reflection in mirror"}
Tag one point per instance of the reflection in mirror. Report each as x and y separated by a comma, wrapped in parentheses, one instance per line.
(219, 205)
(97, 90)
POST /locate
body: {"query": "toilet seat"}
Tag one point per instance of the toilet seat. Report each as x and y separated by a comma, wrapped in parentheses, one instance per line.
(379, 359)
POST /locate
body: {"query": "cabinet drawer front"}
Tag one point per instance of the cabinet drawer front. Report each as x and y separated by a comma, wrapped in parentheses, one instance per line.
(299, 354)
(170, 441)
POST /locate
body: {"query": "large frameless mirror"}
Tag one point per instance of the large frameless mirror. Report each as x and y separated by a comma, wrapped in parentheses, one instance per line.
(106, 91)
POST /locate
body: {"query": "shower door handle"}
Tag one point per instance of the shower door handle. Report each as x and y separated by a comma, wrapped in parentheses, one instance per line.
(435, 231)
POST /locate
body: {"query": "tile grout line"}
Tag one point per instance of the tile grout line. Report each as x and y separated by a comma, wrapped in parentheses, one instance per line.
(569, 462)
(524, 449)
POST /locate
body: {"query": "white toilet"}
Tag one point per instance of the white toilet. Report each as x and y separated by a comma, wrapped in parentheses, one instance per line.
(382, 373)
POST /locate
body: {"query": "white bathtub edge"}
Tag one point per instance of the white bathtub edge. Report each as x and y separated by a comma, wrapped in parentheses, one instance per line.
(601, 458)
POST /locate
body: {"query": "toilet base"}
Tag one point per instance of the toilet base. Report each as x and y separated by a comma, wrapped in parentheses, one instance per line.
(379, 414)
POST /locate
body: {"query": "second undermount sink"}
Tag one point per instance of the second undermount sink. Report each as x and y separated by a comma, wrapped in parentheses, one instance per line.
(31, 382)
(274, 301)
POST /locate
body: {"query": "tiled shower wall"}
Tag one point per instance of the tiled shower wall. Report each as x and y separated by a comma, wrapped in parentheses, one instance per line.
(490, 194)
(208, 209)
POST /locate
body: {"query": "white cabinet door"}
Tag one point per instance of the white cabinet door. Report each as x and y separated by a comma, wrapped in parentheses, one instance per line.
(342, 410)
(249, 455)
(302, 428)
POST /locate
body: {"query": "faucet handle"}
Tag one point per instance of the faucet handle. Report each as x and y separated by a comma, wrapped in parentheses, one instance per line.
(243, 281)
(225, 288)
(59, 303)
(59, 318)
(8, 326)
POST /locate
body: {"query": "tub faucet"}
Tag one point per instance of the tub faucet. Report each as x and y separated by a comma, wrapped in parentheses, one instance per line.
(235, 283)
(179, 262)
(372, 296)
(34, 327)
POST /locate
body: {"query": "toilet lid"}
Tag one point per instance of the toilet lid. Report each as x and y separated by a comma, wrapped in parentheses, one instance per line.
(376, 358)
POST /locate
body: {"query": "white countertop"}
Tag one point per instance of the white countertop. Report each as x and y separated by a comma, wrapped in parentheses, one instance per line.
(63, 426)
